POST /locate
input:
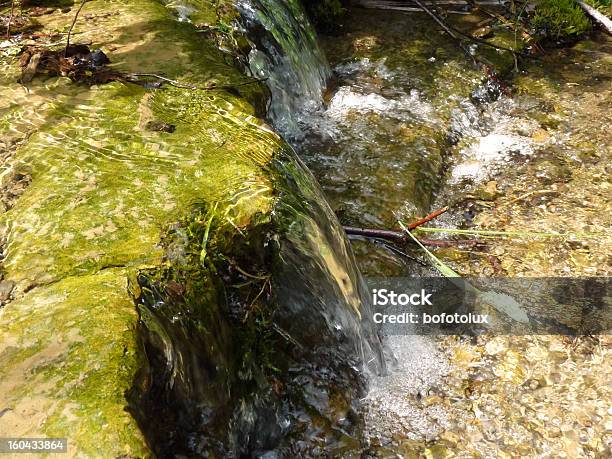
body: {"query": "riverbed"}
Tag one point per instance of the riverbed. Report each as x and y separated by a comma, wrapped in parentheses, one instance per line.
(407, 128)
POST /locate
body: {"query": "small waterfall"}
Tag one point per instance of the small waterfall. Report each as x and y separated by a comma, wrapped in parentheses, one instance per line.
(285, 50)
(287, 53)
(272, 364)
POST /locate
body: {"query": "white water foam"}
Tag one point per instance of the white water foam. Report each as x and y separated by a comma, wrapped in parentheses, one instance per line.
(491, 142)
(488, 152)
(393, 403)
(408, 106)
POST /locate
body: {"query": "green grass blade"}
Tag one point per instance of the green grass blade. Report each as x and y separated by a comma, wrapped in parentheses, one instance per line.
(511, 233)
(500, 301)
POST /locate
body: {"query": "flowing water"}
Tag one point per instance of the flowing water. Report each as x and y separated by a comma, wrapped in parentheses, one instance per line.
(286, 53)
(397, 124)
(408, 125)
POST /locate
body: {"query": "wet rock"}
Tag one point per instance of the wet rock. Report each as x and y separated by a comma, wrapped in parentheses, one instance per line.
(489, 192)
(483, 32)
(6, 288)
(160, 126)
(13, 187)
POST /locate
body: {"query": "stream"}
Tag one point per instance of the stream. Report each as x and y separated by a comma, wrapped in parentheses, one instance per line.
(175, 280)
(407, 125)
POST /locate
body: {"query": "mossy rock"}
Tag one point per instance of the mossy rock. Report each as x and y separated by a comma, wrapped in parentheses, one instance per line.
(559, 20)
(68, 352)
(104, 192)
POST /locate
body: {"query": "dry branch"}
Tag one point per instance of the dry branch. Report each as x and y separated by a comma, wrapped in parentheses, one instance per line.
(600, 18)
(74, 20)
(10, 19)
(427, 218)
(400, 237)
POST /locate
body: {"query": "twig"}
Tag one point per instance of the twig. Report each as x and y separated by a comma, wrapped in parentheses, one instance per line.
(400, 237)
(10, 20)
(390, 235)
(189, 86)
(427, 218)
(486, 43)
(390, 247)
(450, 242)
(74, 20)
(453, 31)
(163, 78)
(446, 28)
(601, 19)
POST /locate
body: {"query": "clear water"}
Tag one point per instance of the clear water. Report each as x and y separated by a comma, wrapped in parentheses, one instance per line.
(287, 54)
(404, 129)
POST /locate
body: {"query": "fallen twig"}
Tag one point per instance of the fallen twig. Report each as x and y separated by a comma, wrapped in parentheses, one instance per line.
(392, 248)
(453, 32)
(523, 234)
(390, 235)
(427, 218)
(400, 237)
(132, 77)
(82, 65)
(74, 20)
(164, 79)
(446, 28)
(601, 19)
(10, 20)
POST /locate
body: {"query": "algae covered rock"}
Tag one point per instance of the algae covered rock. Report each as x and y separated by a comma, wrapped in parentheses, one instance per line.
(561, 20)
(68, 351)
(249, 302)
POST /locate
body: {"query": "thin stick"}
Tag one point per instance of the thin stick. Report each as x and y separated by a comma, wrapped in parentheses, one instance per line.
(188, 86)
(453, 31)
(486, 43)
(163, 78)
(599, 18)
(401, 253)
(74, 20)
(390, 235)
(8, 26)
(427, 218)
(442, 24)
(490, 233)
(400, 237)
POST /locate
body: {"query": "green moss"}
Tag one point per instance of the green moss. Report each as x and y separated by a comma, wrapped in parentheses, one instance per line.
(67, 354)
(104, 189)
(559, 20)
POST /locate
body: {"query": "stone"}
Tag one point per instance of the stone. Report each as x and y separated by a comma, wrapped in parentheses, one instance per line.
(6, 287)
